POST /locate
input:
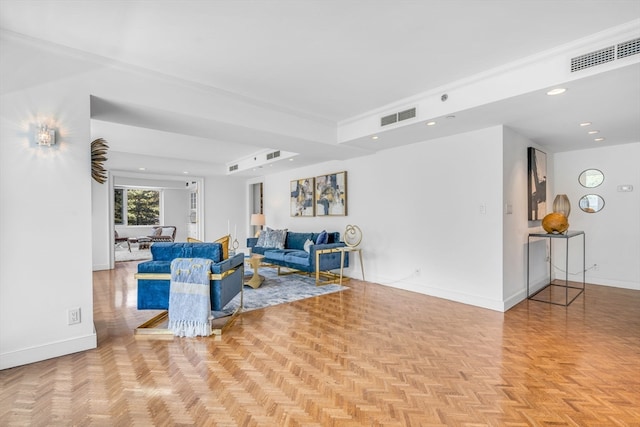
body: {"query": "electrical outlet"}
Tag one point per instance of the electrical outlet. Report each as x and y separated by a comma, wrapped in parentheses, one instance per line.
(417, 271)
(73, 315)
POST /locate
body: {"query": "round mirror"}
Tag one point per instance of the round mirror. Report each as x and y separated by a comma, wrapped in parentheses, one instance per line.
(591, 203)
(591, 178)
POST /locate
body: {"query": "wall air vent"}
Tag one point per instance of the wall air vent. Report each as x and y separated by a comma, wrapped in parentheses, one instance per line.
(407, 114)
(233, 168)
(632, 47)
(273, 155)
(387, 120)
(592, 59)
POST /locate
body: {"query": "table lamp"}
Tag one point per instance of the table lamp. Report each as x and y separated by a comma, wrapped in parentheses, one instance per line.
(257, 219)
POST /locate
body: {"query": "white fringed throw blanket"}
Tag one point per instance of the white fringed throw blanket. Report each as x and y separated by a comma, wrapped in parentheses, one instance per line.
(189, 297)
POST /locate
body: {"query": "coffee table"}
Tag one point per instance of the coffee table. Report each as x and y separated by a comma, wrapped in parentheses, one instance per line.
(256, 279)
(143, 242)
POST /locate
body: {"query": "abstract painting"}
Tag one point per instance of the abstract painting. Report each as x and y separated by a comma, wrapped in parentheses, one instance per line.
(331, 194)
(537, 182)
(302, 197)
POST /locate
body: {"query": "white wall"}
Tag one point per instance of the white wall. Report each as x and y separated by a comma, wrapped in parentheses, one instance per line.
(176, 211)
(419, 207)
(47, 203)
(516, 226)
(613, 234)
(45, 220)
(101, 206)
(225, 208)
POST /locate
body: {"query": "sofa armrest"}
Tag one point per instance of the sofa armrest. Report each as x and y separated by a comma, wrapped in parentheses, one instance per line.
(227, 264)
(329, 260)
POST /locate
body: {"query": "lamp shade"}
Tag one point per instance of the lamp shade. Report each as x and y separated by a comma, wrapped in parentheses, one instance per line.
(257, 219)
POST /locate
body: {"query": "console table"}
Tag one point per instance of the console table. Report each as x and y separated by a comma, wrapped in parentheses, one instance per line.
(551, 237)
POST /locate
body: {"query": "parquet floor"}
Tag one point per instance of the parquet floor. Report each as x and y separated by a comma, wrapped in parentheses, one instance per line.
(372, 356)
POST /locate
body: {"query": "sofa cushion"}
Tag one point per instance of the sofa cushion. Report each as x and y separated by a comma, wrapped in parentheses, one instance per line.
(275, 254)
(307, 245)
(296, 240)
(224, 241)
(297, 257)
(166, 251)
(212, 251)
(157, 267)
(323, 238)
(272, 238)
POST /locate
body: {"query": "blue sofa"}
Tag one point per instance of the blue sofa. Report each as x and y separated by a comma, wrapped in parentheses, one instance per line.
(294, 256)
(154, 276)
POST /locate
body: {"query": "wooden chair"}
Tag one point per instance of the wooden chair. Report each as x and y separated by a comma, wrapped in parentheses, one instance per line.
(117, 240)
(159, 234)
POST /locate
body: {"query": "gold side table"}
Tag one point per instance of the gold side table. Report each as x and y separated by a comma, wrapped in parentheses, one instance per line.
(345, 249)
(256, 280)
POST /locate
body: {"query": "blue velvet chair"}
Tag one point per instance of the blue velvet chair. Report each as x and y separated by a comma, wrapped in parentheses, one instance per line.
(154, 276)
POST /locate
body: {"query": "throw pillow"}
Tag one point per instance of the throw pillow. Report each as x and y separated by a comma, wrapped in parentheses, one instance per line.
(307, 245)
(167, 231)
(224, 240)
(323, 238)
(157, 231)
(272, 238)
(192, 240)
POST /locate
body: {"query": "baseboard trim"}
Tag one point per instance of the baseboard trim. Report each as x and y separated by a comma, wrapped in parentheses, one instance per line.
(100, 267)
(48, 351)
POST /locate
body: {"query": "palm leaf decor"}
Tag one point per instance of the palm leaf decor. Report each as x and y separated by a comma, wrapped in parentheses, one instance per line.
(99, 149)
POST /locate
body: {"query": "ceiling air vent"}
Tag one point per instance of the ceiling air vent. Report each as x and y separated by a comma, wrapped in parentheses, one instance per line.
(233, 168)
(387, 120)
(592, 59)
(273, 155)
(398, 117)
(632, 47)
(407, 114)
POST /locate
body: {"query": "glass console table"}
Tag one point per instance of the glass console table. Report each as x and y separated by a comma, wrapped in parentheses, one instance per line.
(555, 290)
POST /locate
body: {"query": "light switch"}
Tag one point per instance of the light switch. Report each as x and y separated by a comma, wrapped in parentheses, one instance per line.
(625, 188)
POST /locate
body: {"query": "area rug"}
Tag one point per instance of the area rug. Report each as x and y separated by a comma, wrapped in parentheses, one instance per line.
(278, 290)
(122, 253)
(274, 290)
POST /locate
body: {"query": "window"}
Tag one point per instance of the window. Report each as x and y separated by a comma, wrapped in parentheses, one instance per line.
(135, 206)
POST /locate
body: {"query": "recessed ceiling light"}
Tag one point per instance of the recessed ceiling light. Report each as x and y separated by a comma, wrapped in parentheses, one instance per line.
(583, 124)
(185, 172)
(142, 169)
(431, 123)
(375, 137)
(556, 91)
(599, 139)
(593, 132)
(451, 117)
(291, 159)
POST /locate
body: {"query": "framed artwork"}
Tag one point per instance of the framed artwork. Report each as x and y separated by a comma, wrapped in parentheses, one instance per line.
(331, 194)
(302, 197)
(537, 182)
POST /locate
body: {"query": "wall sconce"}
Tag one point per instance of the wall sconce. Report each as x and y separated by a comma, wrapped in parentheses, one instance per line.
(45, 136)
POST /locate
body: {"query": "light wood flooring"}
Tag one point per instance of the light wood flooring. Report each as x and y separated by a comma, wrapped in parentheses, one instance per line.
(368, 356)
